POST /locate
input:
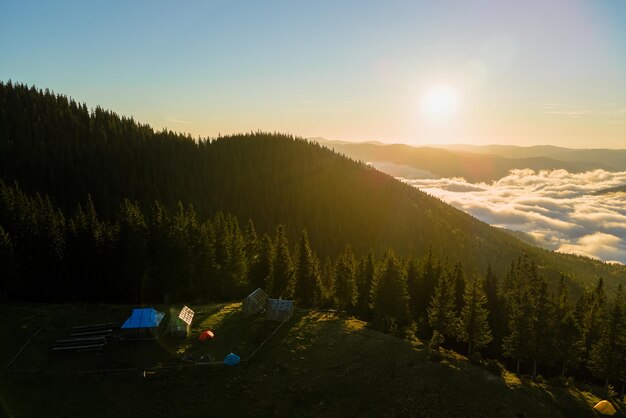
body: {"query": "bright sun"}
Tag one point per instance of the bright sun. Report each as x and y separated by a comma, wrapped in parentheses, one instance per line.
(439, 102)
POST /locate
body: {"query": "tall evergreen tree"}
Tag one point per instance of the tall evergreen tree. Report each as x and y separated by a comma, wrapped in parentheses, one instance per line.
(7, 265)
(607, 354)
(473, 327)
(430, 277)
(131, 251)
(307, 276)
(364, 281)
(261, 266)
(328, 284)
(282, 274)
(390, 298)
(459, 287)
(496, 317)
(590, 310)
(345, 284)
(413, 284)
(441, 310)
(567, 333)
(520, 308)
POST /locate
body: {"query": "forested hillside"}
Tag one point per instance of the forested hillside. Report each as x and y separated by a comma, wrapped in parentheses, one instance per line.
(58, 148)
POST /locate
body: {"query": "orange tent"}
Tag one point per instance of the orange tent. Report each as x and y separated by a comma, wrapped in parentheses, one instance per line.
(605, 408)
(206, 335)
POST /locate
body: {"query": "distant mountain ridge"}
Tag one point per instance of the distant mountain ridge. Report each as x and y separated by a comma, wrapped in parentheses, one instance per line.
(455, 161)
(610, 159)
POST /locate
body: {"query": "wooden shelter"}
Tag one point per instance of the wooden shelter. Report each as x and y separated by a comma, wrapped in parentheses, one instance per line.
(254, 302)
(279, 309)
(180, 326)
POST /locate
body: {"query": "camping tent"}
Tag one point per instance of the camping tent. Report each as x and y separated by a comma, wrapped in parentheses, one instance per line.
(142, 323)
(279, 309)
(232, 359)
(206, 335)
(254, 302)
(605, 408)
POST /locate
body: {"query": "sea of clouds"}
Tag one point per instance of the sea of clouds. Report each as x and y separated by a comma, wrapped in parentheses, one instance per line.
(557, 208)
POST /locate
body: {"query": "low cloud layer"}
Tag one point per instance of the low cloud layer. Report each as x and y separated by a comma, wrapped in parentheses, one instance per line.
(557, 208)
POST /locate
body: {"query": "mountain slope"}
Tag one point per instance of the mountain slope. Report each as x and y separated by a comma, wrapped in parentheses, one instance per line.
(52, 145)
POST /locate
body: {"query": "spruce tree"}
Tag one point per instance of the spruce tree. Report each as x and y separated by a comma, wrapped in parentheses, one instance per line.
(261, 266)
(365, 280)
(307, 278)
(473, 327)
(607, 353)
(441, 310)
(282, 273)
(413, 283)
(390, 298)
(7, 265)
(567, 335)
(590, 311)
(345, 285)
(459, 287)
(430, 276)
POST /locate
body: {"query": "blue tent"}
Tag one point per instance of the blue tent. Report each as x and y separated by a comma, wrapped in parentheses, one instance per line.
(232, 359)
(143, 322)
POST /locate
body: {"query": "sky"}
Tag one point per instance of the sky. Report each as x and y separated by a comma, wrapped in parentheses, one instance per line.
(558, 209)
(520, 72)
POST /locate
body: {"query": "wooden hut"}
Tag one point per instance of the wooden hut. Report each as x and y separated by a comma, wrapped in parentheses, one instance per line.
(254, 302)
(279, 309)
(180, 325)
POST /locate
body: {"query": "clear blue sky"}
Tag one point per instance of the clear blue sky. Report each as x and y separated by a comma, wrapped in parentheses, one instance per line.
(524, 72)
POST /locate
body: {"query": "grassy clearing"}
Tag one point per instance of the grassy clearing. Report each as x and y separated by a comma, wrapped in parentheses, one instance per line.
(317, 364)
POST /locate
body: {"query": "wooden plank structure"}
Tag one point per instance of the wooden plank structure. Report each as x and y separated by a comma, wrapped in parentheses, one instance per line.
(79, 344)
(87, 337)
(180, 326)
(279, 309)
(254, 302)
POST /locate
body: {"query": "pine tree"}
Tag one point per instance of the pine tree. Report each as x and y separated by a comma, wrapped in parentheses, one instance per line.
(365, 280)
(607, 354)
(441, 310)
(390, 298)
(521, 342)
(307, 278)
(496, 317)
(261, 266)
(430, 277)
(567, 348)
(7, 265)
(328, 284)
(473, 327)
(131, 251)
(459, 287)
(283, 271)
(345, 285)
(590, 311)
(413, 284)
(542, 325)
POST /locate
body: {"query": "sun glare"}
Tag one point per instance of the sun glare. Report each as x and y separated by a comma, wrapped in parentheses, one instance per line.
(439, 102)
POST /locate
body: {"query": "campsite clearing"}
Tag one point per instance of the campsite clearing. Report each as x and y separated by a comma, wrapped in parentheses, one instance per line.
(316, 364)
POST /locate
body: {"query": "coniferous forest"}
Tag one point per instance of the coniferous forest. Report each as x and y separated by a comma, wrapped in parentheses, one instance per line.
(97, 207)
